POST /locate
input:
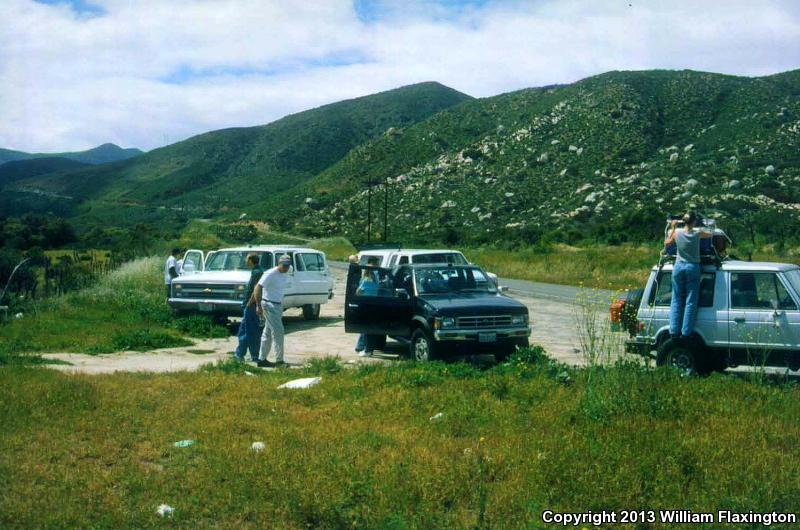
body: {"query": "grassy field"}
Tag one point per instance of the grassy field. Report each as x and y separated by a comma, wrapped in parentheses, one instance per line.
(126, 310)
(335, 248)
(359, 450)
(603, 267)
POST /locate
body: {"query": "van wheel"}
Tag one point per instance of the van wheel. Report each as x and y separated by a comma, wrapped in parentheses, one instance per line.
(311, 311)
(683, 355)
(422, 347)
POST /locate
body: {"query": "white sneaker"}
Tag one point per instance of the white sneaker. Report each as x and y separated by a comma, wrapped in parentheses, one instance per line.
(364, 354)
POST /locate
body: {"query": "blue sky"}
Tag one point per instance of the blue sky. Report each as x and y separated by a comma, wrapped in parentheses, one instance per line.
(80, 7)
(78, 73)
(377, 10)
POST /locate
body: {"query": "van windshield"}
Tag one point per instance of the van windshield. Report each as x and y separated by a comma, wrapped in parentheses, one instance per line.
(236, 260)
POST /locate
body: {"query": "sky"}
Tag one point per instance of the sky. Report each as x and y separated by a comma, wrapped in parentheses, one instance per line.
(78, 73)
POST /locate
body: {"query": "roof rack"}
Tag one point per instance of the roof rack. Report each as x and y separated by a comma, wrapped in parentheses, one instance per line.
(377, 246)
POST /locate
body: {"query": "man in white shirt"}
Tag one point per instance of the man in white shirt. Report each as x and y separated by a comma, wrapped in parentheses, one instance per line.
(171, 268)
(268, 293)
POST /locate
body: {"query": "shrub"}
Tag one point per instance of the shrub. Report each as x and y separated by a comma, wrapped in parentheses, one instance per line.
(146, 339)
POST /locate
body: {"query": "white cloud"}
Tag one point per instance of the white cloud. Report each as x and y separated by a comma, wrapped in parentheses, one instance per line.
(143, 73)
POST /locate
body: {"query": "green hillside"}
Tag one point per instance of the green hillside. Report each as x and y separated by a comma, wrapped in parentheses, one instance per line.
(101, 154)
(605, 158)
(20, 169)
(222, 170)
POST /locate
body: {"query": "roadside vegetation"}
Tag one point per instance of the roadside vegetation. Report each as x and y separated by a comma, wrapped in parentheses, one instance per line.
(612, 267)
(361, 450)
(124, 310)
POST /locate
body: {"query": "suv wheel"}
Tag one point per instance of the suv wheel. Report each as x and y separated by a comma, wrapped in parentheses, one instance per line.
(681, 354)
(311, 311)
(422, 347)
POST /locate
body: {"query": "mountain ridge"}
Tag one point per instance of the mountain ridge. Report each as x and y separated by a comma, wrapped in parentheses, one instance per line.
(604, 158)
(244, 164)
(101, 154)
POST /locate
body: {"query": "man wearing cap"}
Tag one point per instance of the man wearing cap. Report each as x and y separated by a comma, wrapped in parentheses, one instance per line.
(269, 290)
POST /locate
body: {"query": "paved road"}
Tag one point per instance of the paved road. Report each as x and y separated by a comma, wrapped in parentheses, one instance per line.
(549, 291)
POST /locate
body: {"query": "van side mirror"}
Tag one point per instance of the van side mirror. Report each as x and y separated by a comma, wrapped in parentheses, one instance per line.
(502, 288)
(401, 294)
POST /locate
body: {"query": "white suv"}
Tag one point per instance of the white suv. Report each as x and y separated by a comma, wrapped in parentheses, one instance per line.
(391, 258)
(218, 286)
(748, 314)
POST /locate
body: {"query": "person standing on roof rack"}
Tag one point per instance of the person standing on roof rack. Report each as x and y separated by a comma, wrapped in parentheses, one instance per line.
(269, 290)
(686, 275)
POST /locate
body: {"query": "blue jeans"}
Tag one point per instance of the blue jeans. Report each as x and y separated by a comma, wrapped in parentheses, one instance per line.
(364, 343)
(249, 334)
(685, 294)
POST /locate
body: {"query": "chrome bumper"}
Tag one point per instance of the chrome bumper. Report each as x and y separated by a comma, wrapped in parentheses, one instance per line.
(206, 306)
(639, 346)
(472, 334)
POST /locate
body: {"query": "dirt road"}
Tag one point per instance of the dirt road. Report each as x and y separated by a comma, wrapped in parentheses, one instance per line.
(553, 326)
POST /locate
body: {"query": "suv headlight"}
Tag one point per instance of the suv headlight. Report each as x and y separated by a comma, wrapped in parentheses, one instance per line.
(177, 286)
(519, 320)
(444, 322)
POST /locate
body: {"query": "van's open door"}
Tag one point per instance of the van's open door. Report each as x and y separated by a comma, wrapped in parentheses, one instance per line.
(377, 309)
(193, 261)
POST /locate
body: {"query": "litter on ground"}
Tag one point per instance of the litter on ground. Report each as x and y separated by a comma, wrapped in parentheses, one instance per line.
(184, 443)
(257, 446)
(305, 382)
(165, 510)
(249, 373)
(437, 416)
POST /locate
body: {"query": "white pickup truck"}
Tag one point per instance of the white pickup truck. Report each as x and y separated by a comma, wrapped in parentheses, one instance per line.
(219, 281)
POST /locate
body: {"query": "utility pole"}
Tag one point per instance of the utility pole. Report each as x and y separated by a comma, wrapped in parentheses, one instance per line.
(385, 211)
(369, 208)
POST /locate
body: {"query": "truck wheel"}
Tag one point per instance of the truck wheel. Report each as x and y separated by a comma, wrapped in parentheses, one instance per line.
(311, 311)
(683, 355)
(422, 347)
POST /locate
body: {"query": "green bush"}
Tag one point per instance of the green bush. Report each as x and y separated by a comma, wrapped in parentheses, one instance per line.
(200, 326)
(146, 339)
